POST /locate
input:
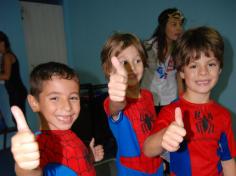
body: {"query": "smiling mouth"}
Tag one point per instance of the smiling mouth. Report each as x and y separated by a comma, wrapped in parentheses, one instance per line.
(65, 119)
(203, 82)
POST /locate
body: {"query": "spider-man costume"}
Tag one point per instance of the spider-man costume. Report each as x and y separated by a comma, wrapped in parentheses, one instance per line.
(209, 138)
(63, 153)
(130, 131)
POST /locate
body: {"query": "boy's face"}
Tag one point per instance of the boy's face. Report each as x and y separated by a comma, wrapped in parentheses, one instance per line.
(201, 75)
(58, 104)
(133, 64)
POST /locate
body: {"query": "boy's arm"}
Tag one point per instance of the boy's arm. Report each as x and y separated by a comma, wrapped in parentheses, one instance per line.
(152, 146)
(229, 167)
(22, 172)
(24, 147)
(116, 107)
(166, 139)
(117, 87)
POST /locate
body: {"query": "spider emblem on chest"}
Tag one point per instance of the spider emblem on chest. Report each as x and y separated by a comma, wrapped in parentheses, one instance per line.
(204, 122)
(146, 122)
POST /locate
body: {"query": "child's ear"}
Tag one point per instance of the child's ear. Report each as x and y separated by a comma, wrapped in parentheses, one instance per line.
(181, 74)
(33, 102)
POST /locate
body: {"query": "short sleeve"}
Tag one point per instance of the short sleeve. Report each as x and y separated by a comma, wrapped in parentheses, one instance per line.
(227, 141)
(164, 118)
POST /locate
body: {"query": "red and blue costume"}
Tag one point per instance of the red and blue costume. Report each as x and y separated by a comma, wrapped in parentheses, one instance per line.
(209, 138)
(130, 131)
(63, 153)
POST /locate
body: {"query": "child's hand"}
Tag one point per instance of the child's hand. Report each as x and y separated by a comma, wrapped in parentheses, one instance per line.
(24, 145)
(174, 134)
(118, 81)
(98, 151)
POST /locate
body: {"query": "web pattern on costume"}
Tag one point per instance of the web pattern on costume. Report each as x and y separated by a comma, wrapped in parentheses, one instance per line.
(65, 148)
(140, 116)
(205, 134)
(135, 124)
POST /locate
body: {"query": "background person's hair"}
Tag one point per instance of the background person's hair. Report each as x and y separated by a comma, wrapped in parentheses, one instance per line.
(4, 38)
(160, 31)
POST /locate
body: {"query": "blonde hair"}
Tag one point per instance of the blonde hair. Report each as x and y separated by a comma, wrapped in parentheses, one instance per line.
(115, 45)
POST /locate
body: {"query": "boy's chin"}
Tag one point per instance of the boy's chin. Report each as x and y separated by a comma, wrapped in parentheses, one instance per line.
(62, 127)
(66, 127)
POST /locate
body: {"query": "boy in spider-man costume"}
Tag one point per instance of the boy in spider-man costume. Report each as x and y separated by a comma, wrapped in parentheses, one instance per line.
(130, 110)
(56, 150)
(200, 139)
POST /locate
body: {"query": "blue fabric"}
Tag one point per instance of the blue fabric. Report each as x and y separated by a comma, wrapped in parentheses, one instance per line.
(124, 171)
(180, 161)
(224, 148)
(124, 134)
(223, 151)
(54, 169)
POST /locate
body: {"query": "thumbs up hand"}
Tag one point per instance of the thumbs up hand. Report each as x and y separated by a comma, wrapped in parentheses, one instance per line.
(174, 133)
(118, 81)
(24, 146)
(98, 151)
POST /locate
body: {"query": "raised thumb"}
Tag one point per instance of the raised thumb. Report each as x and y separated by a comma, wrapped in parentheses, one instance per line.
(92, 143)
(178, 117)
(119, 68)
(20, 119)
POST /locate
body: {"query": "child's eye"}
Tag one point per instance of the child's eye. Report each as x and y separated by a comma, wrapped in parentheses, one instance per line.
(212, 64)
(138, 60)
(192, 66)
(174, 24)
(74, 98)
(53, 98)
(124, 62)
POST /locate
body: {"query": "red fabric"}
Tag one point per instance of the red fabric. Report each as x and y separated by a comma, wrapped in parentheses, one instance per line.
(141, 115)
(204, 124)
(142, 163)
(64, 147)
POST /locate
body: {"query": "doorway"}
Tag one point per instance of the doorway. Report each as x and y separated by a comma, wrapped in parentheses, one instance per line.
(44, 33)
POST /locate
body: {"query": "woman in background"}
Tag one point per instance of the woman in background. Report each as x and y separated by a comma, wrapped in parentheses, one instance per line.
(160, 76)
(10, 74)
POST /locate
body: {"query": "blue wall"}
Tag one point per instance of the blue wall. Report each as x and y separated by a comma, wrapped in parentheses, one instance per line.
(88, 23)
(10, 23)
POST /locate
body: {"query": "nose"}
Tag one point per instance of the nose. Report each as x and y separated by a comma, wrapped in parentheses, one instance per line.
(203, 70)
(179, 27)
(66, 105)
(130, 67)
